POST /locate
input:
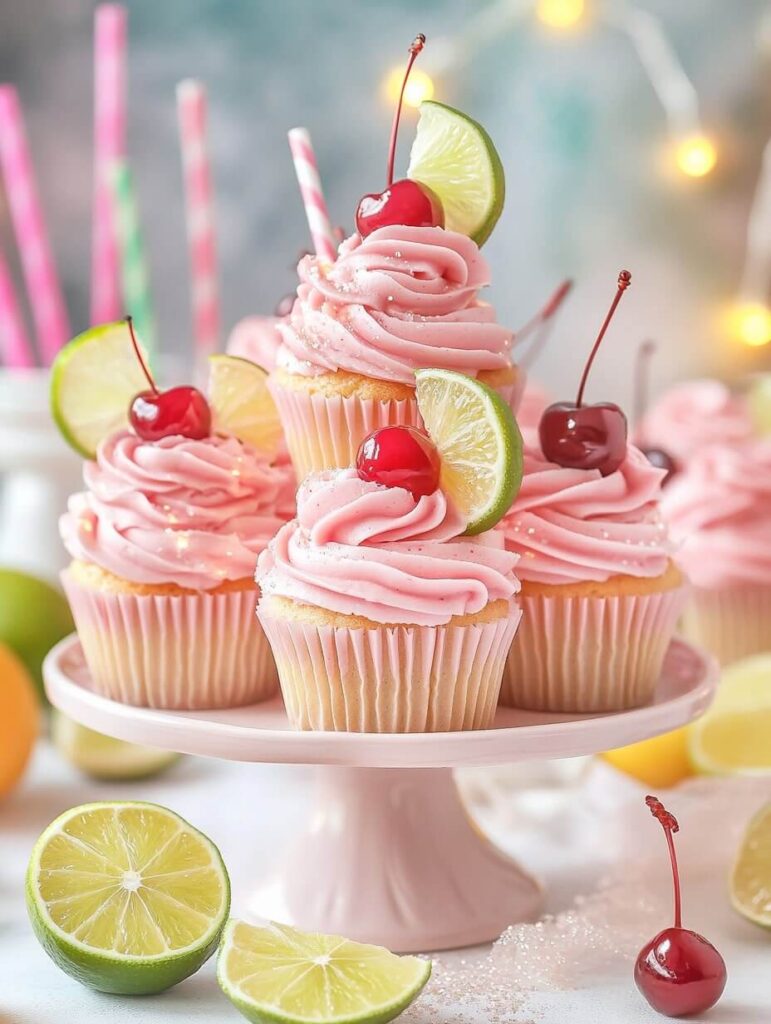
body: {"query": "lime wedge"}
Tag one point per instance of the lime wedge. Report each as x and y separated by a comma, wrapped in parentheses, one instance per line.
(126, 897)
(103, 757)
(751, 876)
(241, 403)
(455, 156)
(734, 737)
(93, 380)
(280, 975)
(479, 442)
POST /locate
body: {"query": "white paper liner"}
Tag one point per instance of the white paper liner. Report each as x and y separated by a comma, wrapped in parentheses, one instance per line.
(590, 654)
(183, 652)
(393, 679)
(732, 622)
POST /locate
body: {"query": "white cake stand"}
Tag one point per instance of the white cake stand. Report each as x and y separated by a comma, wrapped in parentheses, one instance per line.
(389, 855)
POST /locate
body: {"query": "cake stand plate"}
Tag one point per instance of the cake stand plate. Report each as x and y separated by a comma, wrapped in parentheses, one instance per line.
(390, 855)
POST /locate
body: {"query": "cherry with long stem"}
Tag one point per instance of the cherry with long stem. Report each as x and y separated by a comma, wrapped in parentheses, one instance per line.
(669, 823)
(541, 320)
(624, 280)
(140, 357)
(416, 46)
(657, 457)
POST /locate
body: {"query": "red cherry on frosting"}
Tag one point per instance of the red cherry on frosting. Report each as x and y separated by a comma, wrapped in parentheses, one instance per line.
(404, 202)
(679, 972)
(400, 457)
(657, 457)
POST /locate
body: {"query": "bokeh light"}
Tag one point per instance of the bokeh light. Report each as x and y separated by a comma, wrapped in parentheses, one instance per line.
(696, 155)
(560, 14)
(751, 324)
(420, 86)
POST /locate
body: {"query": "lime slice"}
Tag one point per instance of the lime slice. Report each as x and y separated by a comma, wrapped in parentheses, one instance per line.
(734, 737)
(455, 156)
(103, 757)
(479, 442)
(751, 876)
(241, 403)
(93, 380)
(126, 897)
(280, 975)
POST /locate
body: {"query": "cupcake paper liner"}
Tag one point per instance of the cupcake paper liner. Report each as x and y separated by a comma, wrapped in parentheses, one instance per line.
(183, 652)
(393, 679)
(590, 654)
(731, 622)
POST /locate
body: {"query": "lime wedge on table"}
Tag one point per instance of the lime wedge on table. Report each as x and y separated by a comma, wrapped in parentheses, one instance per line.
(93, 380)
(455, 156)
(241, 403)
(104, 757)
(126, 897)
(479, 443)
(280, 975)
(751, 875)
(734, 736)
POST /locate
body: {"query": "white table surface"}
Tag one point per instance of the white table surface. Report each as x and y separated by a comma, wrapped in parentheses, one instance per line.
(571, 837)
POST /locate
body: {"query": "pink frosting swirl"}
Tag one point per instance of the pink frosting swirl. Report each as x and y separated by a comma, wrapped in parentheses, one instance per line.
(194, 513)
(362, 549)
(400, 299)
(256, 338)
(574, 525)
(694, 414)
(719, 508)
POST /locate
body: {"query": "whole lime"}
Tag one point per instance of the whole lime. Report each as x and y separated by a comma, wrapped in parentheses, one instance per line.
(33, 617)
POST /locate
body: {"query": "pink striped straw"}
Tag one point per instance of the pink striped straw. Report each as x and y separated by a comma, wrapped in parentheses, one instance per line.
(199, 197)
(15, 348)
(109, 147)
(37, 262)
(307, 171)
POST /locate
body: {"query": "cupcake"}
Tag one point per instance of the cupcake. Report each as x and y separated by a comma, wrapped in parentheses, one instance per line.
(381, 616)
(600, 594)
(718, 509)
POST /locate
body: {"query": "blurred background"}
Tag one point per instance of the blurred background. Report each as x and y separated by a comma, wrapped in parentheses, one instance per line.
(593, 182)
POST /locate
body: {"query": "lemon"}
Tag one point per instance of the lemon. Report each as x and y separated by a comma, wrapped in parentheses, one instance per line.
(19, 719)
(241, 403)
(659, 762)
(750, 883)
(126, 897)
(104, 757)
(478, 440)
(278, 975)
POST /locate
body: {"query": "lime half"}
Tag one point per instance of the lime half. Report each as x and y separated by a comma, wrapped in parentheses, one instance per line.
(241, 403)
(93, 380)
(103, 757)
(751, 875)
(455, 156)
(126, 897)
(280, 975)
(479, 442)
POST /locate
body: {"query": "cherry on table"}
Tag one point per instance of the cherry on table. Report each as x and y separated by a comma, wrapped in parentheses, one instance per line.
(400, 457)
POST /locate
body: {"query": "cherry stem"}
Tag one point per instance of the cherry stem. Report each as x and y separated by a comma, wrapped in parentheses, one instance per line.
(541, 319)
(669, 824)
(142, 363)
(642, 379)
(624, 280)
(415, 47)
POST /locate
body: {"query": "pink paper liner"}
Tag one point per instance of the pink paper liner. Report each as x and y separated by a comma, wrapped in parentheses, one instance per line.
(324, 432)
(393, 679)
(731, 622)
(590, 654)
(186, 652)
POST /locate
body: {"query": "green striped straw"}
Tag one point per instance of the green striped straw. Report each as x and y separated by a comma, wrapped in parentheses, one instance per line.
(134, 276)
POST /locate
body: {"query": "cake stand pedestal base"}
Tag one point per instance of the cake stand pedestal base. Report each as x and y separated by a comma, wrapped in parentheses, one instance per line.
(390, 856)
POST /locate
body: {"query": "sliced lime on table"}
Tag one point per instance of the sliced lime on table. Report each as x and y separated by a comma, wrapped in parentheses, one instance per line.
(479, 442)
(751, 875)
(278, 975)
(127, 898)
(93, 380)
(241, 403)
(104, 757)
(455, 156)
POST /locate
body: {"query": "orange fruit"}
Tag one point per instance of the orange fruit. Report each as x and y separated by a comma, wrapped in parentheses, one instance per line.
(661, 761)
(19, 718)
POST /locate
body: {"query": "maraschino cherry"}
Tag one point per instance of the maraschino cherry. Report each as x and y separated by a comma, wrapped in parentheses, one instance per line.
(657, 457)
(400, 457)
(587, 436)
(678, 971)
(405, 201)
(154, 414)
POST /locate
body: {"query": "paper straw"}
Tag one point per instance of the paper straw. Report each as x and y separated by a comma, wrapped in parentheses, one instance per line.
(37, 262)
(308, 179)
(199, 197)
(15, 349)
(134, 277)
(109, 147)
